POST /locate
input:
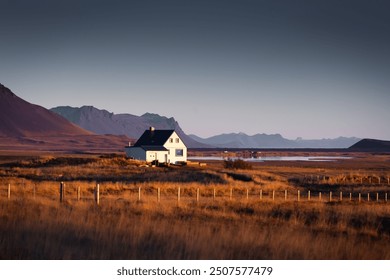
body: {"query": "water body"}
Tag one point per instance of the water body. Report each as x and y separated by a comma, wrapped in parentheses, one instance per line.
(281, 158)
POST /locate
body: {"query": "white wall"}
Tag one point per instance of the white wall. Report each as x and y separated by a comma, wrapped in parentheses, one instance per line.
(173, 146)
(156, 155)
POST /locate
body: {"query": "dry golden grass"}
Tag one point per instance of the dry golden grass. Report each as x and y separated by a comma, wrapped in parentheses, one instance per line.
(35, 225)
(125, 229)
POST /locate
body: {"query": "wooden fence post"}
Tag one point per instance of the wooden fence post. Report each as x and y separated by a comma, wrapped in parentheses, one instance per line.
(285, 195)
(78, 193)
(158, 194)
(214, 194)
(9, 191)
(273, 195)
(97, 194)
(231, 194)
(62, 190)
(178, 195)
(350, 196)
(308, 195)
(261, 194)
(368, 197)
(341, 196)
(377, 197)
(139, 194)
(197, 195)
(247, 194)
(330, 196)
(360, 197)
(299, 195)
(320, 196)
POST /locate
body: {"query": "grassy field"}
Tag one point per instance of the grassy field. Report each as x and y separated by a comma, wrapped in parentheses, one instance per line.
(230, 220)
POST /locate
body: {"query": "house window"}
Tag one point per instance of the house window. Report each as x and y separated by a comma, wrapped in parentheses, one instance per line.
(170, 140)
(177, 140)
(179, 152)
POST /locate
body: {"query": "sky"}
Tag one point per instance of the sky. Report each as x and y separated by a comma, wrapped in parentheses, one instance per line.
(307, 68)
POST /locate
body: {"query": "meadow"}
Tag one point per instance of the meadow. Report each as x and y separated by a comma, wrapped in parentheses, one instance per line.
(193, 212)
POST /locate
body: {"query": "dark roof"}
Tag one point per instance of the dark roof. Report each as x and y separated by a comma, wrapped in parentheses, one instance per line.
(154, 148)
(154, 138)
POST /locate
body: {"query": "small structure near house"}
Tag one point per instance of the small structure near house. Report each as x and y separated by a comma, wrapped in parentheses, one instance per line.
(163, 146)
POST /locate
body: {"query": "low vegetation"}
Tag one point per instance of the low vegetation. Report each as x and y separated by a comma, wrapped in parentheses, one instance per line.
(125, 229)
(229, 221)
(237, 164)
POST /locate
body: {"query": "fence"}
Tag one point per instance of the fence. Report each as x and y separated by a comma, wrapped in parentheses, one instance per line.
(344, 179)
(198, 195)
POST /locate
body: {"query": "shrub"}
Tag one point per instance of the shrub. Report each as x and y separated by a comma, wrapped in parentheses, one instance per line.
(237, 164)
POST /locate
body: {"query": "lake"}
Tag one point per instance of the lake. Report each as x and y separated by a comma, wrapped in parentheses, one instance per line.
(275, 158)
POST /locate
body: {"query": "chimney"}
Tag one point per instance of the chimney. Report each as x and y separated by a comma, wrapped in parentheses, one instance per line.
(151, 128)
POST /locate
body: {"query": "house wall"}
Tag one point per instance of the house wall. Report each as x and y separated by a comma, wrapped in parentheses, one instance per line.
(173, 146)
(136, 153)
(156, 155)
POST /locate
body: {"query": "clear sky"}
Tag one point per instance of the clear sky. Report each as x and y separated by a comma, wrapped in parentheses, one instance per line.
(305, 68)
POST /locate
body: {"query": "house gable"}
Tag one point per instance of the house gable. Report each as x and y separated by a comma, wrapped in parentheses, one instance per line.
(177, 149)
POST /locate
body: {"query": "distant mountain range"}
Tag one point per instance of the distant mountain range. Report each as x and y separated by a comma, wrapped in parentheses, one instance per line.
(104, 122)
(30, 126)
(265, 141)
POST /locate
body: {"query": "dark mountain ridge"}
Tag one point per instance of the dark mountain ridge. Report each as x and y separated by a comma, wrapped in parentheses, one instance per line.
(104, 122)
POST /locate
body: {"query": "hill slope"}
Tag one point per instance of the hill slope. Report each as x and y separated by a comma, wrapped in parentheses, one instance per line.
(104, 122)
(32, 128)
(371, 145)
(19, 118)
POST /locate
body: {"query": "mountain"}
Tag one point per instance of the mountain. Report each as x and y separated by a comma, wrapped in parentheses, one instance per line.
(268, 141)
(371, 145)
(28, 127)
(104, 122)
(241, 140)
(19, 118)
(335, 143)
(33, 126)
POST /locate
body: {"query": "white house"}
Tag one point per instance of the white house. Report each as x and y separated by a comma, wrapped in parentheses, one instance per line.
(165, 146)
